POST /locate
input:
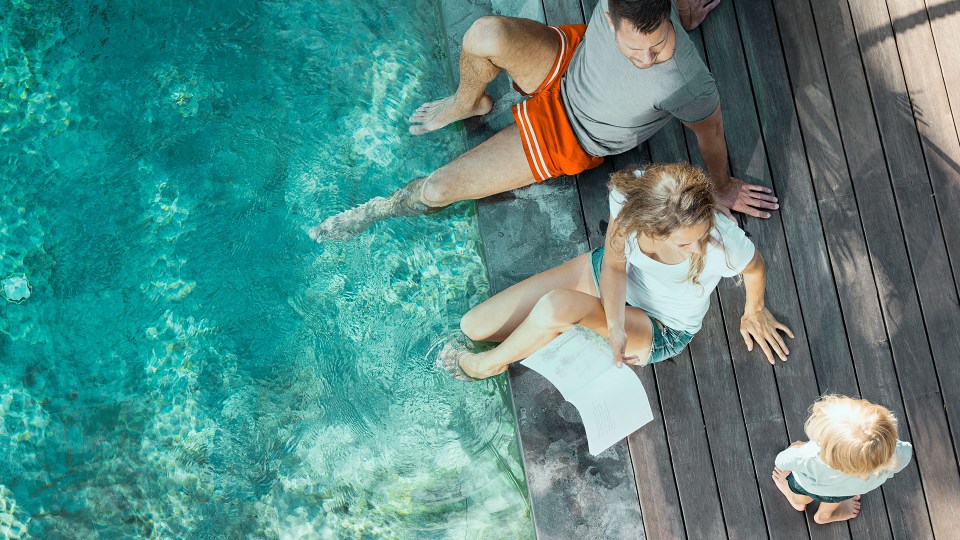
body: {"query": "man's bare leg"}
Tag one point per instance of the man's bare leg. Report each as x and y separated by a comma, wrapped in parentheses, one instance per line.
(496, 165)
(525, 48)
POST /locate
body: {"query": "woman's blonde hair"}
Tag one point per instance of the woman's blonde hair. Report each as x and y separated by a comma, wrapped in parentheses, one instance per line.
(856, 437)
(664, 198)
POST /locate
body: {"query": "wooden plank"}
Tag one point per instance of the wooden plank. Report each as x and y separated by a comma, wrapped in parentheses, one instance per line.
(723, 417)
(845, 240)
(762, 407)
(804, 231)
(927, 261)
(726, 429)
(687, 436)
(653, 470)
(944, 21)
(680, 402)
(848, 249)
(651, 454)
(901, 311)
(930, 105)
(561, 12)
(588, 6)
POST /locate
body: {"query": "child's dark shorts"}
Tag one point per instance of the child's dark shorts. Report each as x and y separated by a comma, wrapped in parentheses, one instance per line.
(795, 487)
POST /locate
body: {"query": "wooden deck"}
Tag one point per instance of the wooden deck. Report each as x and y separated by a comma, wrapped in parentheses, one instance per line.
(850, 111)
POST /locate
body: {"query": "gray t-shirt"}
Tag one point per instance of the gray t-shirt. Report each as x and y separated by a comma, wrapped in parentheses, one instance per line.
(613, 105)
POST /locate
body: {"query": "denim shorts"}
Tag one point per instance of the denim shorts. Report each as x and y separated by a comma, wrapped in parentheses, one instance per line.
(795, 487)
(667, 342)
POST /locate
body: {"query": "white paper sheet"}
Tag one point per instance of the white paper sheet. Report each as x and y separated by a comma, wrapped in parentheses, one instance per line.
(611, 400)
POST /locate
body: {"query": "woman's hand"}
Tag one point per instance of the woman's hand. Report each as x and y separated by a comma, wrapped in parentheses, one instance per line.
(760, 326)
(618, 341)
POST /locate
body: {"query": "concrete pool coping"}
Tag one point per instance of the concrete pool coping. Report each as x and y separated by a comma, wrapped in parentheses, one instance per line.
(572, 493)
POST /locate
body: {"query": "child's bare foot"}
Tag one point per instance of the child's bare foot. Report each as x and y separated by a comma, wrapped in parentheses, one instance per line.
(434, 115)
(798, 502)
(848, 509)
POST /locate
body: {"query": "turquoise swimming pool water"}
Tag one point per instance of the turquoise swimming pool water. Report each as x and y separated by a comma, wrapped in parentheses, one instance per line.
(189, 363)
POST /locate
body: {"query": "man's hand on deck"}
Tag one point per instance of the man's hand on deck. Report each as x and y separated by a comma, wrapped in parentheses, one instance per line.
(749, 199)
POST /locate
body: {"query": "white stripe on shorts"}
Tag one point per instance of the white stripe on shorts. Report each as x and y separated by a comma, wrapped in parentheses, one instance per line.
(563, 49)
(533, 142)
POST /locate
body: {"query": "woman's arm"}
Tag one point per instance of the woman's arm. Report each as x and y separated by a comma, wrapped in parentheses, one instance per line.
(757, 324)
(613, 291)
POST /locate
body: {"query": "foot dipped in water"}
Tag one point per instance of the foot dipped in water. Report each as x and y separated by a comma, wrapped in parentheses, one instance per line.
(797, 501)
(349, 223)
(434, 115)
(848, 509)
(454, 358)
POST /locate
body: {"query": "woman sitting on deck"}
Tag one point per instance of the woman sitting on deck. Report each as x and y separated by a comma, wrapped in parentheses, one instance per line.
(666, 249)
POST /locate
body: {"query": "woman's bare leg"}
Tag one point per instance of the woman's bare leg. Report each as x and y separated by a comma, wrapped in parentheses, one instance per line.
(526, 49)
(498, 316)
(554, 313)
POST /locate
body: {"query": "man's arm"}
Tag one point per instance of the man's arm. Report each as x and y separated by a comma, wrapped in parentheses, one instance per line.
(732, 193)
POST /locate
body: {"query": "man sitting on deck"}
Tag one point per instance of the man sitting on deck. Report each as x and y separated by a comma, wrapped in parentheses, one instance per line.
(596, 90)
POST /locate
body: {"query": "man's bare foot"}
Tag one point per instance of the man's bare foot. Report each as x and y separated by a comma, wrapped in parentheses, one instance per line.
(349, 223)
(434, 115)
(848, 509)
(695, 12)
(797, 501)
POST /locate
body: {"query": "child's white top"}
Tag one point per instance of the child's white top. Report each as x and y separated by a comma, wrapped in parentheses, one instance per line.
(815, 476)
(663, 290)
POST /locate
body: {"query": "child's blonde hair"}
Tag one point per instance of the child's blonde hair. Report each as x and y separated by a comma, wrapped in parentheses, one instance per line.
(856, 437)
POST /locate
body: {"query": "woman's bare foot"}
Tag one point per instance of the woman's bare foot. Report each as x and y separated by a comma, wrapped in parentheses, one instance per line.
(454, 357)
(798, 502)
(434, 115)
(695, 12)
(848, 509)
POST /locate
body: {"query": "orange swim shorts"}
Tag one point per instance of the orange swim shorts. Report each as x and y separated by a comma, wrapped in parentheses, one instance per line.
(548, 140)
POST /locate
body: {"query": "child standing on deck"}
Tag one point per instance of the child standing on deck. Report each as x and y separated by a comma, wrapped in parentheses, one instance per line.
(853, 449)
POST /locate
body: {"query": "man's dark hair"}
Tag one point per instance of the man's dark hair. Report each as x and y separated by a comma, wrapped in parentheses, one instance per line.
(645, 15)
